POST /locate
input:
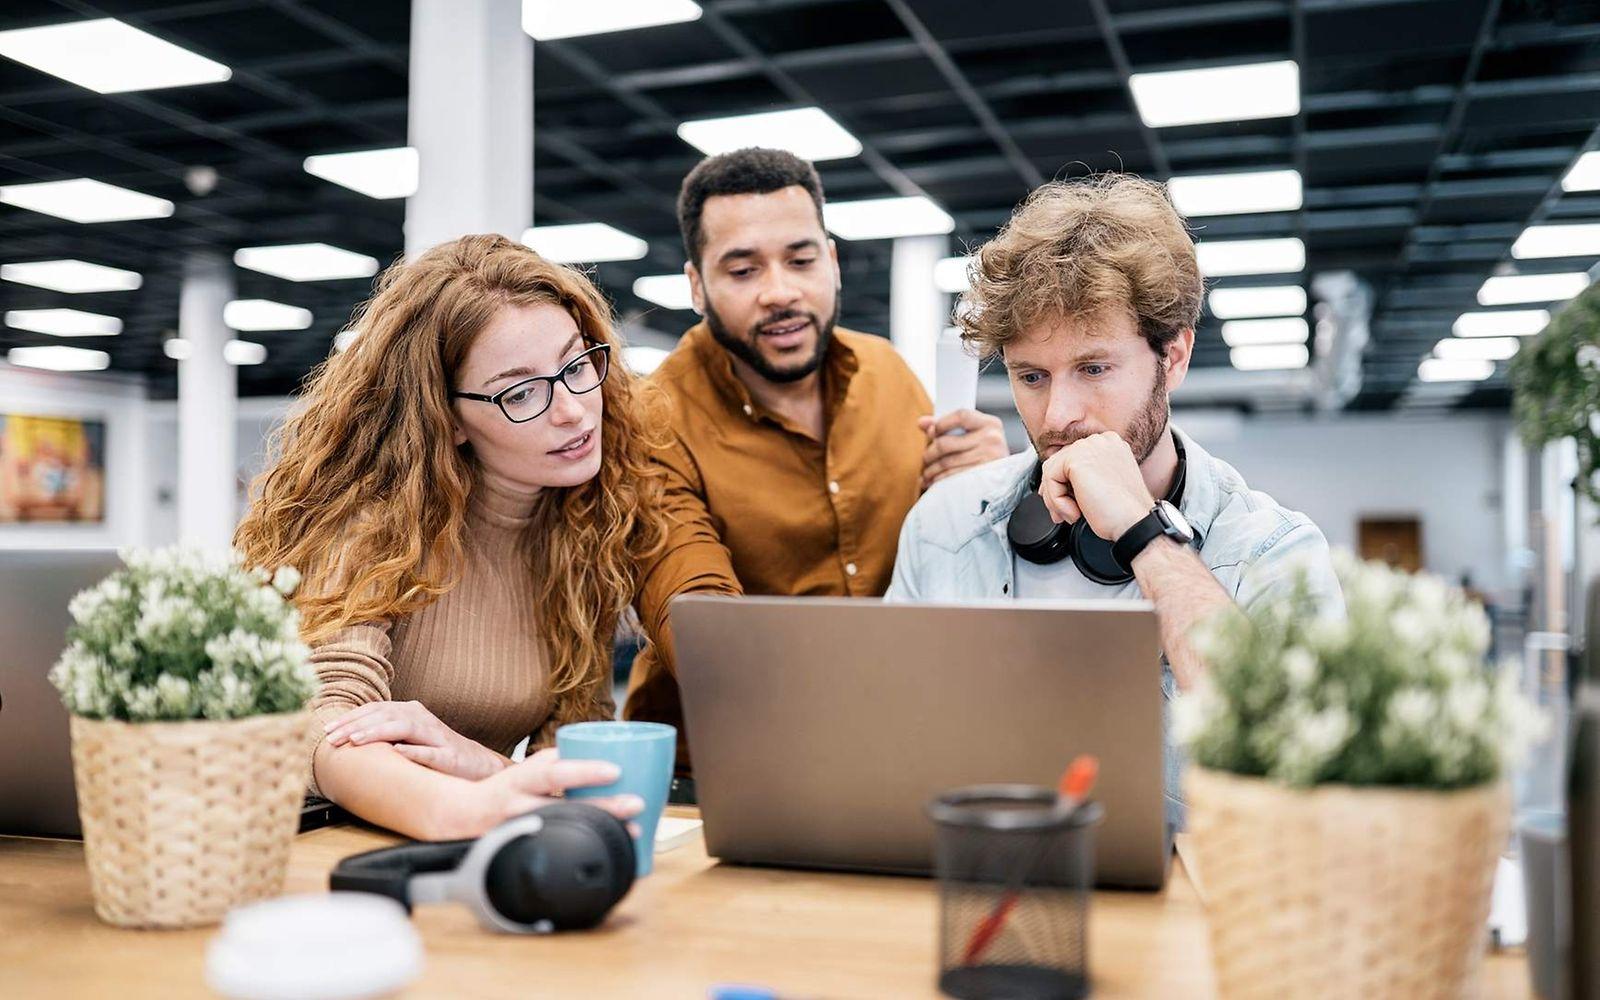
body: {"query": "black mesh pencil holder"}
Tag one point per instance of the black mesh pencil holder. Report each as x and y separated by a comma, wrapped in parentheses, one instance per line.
(1015, 870)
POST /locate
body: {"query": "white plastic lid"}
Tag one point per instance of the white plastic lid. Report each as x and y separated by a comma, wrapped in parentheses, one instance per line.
(334, 946)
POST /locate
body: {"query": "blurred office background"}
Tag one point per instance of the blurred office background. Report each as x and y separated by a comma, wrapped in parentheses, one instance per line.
(1369, 179)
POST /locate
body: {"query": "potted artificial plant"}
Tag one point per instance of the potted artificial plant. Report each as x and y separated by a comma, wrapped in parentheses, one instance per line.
(187, 685)
(1347, 789)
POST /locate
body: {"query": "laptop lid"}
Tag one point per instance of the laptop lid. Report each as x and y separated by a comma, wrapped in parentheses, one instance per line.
(822, 727)
(36, 790)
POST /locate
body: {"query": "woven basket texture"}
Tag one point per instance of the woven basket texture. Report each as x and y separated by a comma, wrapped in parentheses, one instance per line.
(1339, 892)
(184, 820)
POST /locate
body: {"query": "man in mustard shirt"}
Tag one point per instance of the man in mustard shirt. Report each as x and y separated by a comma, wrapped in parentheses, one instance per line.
(799, 446)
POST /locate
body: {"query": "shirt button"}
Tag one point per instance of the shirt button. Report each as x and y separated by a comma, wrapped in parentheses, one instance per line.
(747, 410)
(833, 487)
(850, 568)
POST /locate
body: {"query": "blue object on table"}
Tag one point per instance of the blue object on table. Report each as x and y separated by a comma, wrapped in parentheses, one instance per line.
(645, 751)
(741, 993)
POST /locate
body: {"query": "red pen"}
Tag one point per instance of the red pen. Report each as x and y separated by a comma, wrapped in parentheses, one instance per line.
(1072, 790)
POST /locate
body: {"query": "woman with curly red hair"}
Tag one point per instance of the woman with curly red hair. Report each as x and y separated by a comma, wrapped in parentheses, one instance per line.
(467, 492)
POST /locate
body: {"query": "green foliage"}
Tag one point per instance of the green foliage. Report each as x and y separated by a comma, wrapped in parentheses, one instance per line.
(1555, 382)
(1396, 692)
(183, 634)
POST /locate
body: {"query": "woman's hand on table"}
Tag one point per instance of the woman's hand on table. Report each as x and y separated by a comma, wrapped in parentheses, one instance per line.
(418, 735)
(475, 808)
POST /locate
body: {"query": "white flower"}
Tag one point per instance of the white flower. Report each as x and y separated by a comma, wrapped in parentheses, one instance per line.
(1413, 709)
(1299, 666)
(285, 580)
(1193, 712)
(1465, 704)
(1429, 596)
(1452, 664)
(1411, 628)
(1328, 632)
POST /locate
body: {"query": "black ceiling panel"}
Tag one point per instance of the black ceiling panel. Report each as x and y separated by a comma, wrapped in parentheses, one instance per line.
(1425, 143)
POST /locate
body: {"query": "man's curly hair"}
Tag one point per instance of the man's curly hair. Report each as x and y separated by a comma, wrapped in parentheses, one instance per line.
(1077, 247)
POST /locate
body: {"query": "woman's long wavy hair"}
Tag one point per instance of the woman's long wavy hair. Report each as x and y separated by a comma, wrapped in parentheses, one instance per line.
(366, 491)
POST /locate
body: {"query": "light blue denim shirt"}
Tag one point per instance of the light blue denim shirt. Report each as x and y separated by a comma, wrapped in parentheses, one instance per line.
(953, 548)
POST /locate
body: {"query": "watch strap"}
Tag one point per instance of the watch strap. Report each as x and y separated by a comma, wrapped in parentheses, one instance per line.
(1133, 541)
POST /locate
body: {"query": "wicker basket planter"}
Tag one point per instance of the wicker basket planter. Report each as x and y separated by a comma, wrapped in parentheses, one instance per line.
(1345, 892)
(184, 820)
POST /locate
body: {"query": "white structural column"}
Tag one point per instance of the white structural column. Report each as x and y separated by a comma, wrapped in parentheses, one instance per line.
(918, 311)
(207, 400)
(470, 118)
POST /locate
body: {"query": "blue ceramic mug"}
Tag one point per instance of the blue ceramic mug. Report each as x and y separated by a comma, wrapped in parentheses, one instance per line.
(645, 751)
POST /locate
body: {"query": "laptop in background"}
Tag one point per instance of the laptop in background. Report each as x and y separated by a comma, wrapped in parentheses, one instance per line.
(822, 727)
(36, 787)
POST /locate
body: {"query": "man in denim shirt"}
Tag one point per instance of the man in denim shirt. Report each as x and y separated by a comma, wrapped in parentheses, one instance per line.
(1089, 296)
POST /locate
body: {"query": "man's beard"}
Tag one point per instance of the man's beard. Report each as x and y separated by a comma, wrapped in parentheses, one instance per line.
(745, 349)
(1144, 431)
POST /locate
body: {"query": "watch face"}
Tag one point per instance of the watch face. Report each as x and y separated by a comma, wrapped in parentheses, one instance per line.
(1176, 520)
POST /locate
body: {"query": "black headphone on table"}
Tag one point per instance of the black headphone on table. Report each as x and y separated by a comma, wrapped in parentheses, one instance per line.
(561, 867)
(1040, 540)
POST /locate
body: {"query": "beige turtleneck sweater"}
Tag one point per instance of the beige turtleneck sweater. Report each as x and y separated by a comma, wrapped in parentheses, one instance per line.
(473, 657)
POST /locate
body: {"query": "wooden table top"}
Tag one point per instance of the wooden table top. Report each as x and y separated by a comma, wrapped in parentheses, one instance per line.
(691, 925)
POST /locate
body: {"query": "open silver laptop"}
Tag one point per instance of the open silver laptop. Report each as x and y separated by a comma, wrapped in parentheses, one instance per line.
(36, 795)
(821, 727)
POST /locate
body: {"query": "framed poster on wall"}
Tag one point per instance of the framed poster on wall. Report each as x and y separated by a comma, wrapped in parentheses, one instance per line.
(52, 470)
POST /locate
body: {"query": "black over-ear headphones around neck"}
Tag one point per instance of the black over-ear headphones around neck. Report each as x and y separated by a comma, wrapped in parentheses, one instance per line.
(561, 867)
(1039, 540)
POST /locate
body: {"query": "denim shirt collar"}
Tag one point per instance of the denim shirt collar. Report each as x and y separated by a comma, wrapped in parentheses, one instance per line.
(1201, 502)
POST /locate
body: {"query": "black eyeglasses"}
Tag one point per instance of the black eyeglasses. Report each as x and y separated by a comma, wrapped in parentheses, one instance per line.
(525, 400)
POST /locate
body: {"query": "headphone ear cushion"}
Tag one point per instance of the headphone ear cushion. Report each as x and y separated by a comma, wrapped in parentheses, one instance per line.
(571, 873)
(613, 833)
(1094, 556)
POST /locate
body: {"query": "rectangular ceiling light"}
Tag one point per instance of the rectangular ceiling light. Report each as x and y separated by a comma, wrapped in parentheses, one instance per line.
(109, 57)
(243, 352)
(376, 173)
(234, 352)
(950, 275)
(1454, 370)
(547, 20)
(1249, 303)
(1477, 349)
(64, 322)
(1223, 258)
(1269, 357)
(306, 262)
(1584, 175)
(584, 243)
(1558, 241)
(71, 276)
(264, 314)
(1502, 323)
(84, 200)
(886, 218)
(1509, 289)
(59, 358)
(1219, 94)
(670, 291)
(1249, 332)
(1236, 194)
(809, 133)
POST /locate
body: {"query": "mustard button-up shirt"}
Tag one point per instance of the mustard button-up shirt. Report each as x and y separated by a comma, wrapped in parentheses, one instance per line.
(757, 506)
